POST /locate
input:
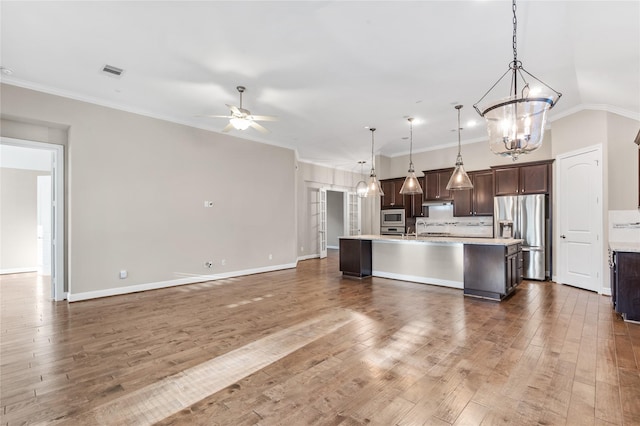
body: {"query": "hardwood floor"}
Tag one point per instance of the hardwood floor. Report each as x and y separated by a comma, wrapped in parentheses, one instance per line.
(306, 346)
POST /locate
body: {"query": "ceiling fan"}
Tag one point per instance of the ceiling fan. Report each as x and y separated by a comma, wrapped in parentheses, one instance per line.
(241, 118)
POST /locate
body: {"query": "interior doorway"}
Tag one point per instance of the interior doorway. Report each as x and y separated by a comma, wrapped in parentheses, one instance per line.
(335, 218)
(34, 172)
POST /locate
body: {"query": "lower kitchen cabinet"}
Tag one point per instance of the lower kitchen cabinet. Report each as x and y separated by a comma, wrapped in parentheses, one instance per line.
(355, 257)
(492, 271)
(625, 284)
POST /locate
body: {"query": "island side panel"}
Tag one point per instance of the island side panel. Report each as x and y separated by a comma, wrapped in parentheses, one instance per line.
(355, 257)
(428, 263)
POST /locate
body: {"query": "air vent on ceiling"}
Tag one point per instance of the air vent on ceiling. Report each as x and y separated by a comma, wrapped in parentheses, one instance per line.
(111, 70)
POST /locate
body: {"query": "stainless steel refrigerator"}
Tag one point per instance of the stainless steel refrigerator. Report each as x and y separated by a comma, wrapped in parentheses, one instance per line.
(529, 215)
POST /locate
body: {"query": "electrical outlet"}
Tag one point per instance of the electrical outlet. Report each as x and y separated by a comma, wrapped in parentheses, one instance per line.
(223, 262)
(208, 264)
(270, 256)
(302, 249)
(123, 274)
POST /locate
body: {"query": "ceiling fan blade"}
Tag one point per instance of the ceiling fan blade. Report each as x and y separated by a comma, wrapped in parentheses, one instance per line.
(227, 128)
(258, 127)
(216, 116)
(234, 109)
(264, 118)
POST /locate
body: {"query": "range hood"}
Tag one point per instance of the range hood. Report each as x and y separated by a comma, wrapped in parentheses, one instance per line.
(437, 203)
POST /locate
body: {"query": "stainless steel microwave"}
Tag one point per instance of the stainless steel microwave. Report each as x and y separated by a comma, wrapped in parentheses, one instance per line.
(392, 217)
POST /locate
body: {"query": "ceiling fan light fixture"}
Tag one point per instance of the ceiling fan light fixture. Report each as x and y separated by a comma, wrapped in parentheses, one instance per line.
(515, 124)
(240, 123)
(459, 179)
(411, 185)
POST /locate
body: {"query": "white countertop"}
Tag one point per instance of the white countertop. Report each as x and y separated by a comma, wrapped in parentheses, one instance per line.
(446, 240)
(624, 246)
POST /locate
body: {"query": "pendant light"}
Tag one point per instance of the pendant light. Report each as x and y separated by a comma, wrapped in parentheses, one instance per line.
(459, 179)
(373, 186)
(361, 186)
(515, 124)
(411, 186)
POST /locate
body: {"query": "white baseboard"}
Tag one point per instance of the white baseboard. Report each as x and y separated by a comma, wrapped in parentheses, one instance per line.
(75, 297)
(18, 270)
(333, 247)
(308, 256)
(605, 291)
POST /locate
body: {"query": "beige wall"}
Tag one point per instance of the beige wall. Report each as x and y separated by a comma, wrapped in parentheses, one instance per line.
(622, 162)
(18, 220)
(136, 192)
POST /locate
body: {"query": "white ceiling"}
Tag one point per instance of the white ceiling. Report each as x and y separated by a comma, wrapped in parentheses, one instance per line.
(327, 69)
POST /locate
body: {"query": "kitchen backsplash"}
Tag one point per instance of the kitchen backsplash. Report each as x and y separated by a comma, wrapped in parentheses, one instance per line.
(442, 221)
(624, 226)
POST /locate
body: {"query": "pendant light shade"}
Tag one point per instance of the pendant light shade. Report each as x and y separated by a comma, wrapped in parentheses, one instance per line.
(459, 179)
(515, 124)
(373, 185)
(411, 185)
(361, 186)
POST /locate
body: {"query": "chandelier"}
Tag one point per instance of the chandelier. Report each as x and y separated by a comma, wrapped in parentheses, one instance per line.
(515, 124)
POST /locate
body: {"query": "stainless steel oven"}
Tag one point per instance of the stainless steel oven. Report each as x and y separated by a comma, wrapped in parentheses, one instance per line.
(392, 230)
(392, 218)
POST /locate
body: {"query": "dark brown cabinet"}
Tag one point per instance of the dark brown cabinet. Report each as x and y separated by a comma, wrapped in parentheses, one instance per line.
(413, 206)
(435, 185)
(625, 284)
(492, 271)
(355, 257)
(527, 178)
(392, 197)
(477, 201)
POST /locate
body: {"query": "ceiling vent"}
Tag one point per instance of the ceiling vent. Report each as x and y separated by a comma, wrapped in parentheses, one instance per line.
(112, 71)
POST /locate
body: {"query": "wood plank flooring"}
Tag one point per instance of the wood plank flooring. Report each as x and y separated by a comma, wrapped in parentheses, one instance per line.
(308, 347)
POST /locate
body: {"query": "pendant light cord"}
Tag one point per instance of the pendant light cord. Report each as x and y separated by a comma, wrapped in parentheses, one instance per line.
(459, 107)
(515, 33)
(410, 144)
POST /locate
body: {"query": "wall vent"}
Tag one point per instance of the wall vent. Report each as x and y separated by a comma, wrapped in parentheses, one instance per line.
(111, 70)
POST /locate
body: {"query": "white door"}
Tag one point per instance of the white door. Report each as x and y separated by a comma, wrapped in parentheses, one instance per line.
(322, 222)
(44, 207)
(579, 231)
(353, 214)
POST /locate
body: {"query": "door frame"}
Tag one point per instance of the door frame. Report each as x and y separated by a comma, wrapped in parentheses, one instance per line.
(57, 211)
(599, 243)
(322, 222)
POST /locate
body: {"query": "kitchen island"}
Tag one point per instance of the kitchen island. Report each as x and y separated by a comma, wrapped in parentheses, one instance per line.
(437, 260)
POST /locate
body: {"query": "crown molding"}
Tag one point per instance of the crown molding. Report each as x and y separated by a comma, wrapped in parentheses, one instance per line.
(596, 107)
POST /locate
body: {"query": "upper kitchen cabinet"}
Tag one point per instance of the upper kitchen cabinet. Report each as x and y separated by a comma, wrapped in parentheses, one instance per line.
(477, 201)
(392, 197)
(526, 178)
(413, 206)
(435, 185)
